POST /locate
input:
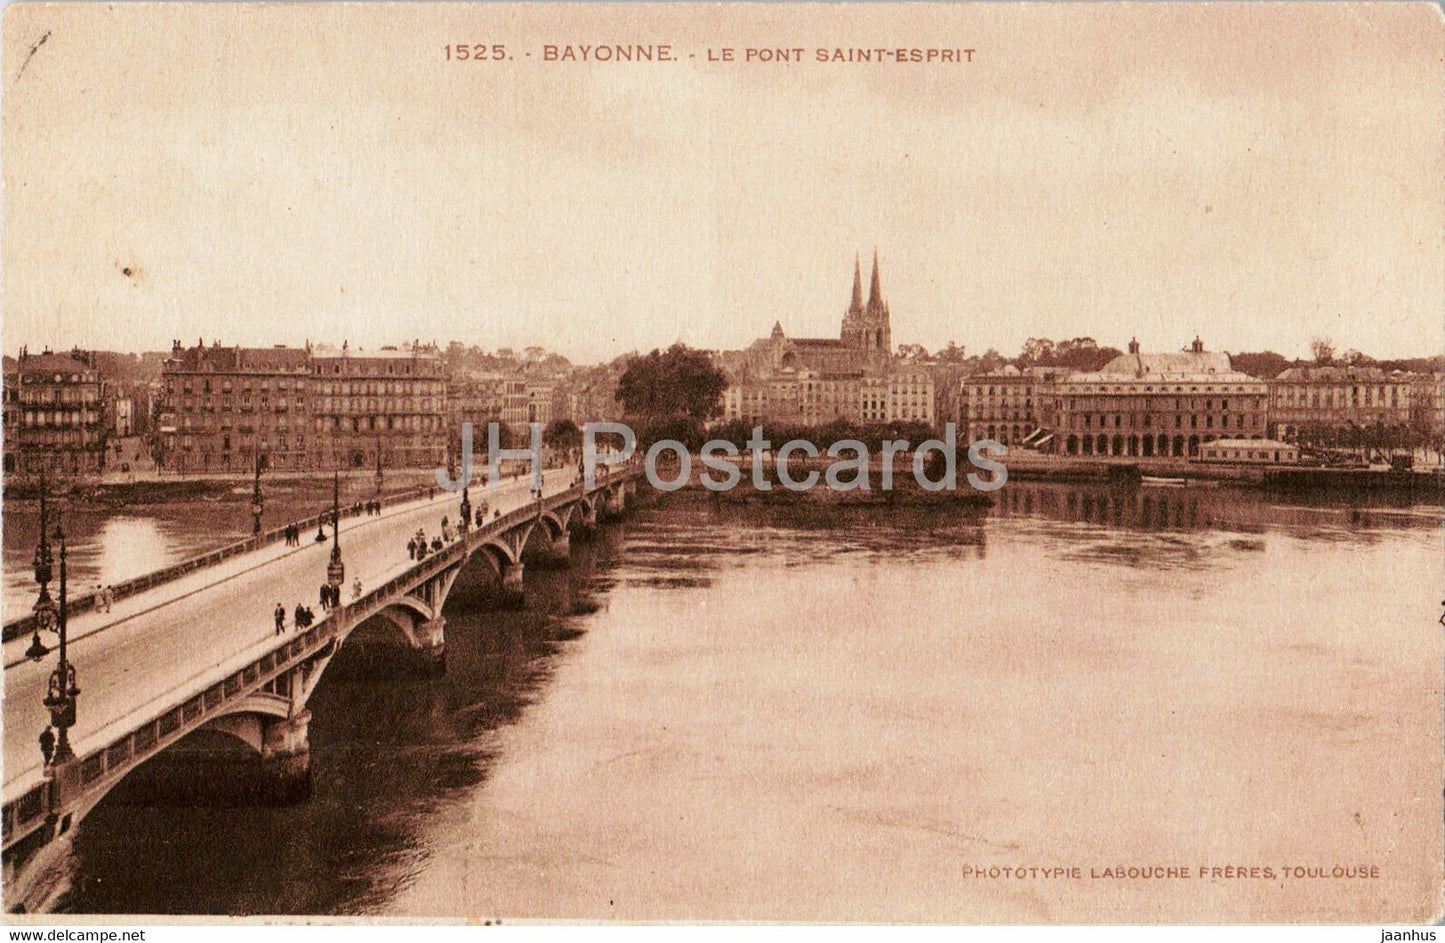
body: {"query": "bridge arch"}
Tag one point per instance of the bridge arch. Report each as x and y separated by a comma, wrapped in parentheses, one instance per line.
(496, 553)
(554, 525)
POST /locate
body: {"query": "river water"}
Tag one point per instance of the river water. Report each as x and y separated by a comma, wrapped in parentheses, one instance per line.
(820, 713)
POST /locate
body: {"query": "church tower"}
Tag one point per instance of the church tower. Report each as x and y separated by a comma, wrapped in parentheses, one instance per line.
(866, 331)
(878, 334)
(853, 318)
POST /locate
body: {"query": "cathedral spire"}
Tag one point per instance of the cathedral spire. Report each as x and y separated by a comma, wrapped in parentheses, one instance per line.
(875, 292)
(857, 306)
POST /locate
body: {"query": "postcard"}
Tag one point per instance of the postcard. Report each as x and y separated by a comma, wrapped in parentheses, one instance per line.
(815, 463)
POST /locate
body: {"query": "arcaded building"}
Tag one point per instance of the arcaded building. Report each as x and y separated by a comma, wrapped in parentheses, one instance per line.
(1155, 405)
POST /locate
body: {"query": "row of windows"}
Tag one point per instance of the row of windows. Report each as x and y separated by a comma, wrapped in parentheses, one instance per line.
(419, 404)
(58, 418)
(372, 368)
(62, 395)
(27, 378)
(1296, 396)
(380, 388)
(61, 437)
(1134, 390)
(1158, 404)
(979, 391)
(1087, 420)
(1238, 454)
(224, 403)
(362, 388)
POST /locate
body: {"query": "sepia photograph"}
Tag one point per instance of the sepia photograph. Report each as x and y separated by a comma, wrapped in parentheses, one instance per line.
(723, 463)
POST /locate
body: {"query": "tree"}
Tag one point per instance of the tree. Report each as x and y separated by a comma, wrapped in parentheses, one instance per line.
(562, 434)
(990, 361)
(1083, 353)
(1037, 351)
(1266, 364)
(1323, 350)
(680, 382)
(951, 355)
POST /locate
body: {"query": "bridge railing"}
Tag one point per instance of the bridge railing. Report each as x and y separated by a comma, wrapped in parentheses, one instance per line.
(24, 625)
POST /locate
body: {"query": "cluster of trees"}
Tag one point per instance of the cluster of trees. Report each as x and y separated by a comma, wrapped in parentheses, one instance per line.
(952, 355)
(1267, 364)
(1372, 443)
(1078, 353)
(461, 359)
(676, 383)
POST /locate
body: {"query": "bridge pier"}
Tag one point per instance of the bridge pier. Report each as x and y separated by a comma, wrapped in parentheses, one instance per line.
(584, 523)
(285, 774)
(562, 549)
(612, 503)
(512, 593)
(431, 643)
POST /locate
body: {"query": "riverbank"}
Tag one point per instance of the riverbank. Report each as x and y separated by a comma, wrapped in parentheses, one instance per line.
(1426, 483)
(851, 483)
(100, 495)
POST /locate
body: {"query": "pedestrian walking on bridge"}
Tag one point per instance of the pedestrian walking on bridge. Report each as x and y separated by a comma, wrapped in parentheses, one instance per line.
(280, 619)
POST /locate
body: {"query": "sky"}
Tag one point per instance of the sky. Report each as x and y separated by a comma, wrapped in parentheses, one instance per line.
(1258, 175)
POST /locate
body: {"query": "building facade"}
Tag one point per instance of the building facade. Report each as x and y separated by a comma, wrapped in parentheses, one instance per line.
(525, 402)
(386, 406)
(223, 409)
(58, 416)
(1338, 397)
(1158, 405)
(1012, 406)
(1427, 404)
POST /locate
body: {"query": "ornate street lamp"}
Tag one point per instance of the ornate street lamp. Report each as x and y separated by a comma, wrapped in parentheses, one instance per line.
(335, 570)
(378, 468)
(44, 608)
(256, 499)
(466, 509)
(61, 695)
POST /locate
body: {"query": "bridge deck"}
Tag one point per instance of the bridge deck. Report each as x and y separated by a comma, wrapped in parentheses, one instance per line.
(154, 646)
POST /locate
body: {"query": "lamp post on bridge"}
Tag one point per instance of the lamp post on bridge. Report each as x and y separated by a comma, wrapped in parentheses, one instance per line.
(256, 506)
(379, 478)
(44, 608)
(60, 697)
(466, 509)
(336, 570)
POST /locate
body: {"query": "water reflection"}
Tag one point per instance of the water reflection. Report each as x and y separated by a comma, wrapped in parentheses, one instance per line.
(1151, 508)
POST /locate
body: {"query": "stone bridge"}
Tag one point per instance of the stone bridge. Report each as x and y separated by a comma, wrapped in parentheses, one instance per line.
(174, 660)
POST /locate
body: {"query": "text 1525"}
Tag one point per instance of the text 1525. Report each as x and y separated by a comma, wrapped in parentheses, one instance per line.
(478, 52)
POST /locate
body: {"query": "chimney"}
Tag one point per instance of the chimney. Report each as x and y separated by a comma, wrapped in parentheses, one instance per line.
(1197, 346)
